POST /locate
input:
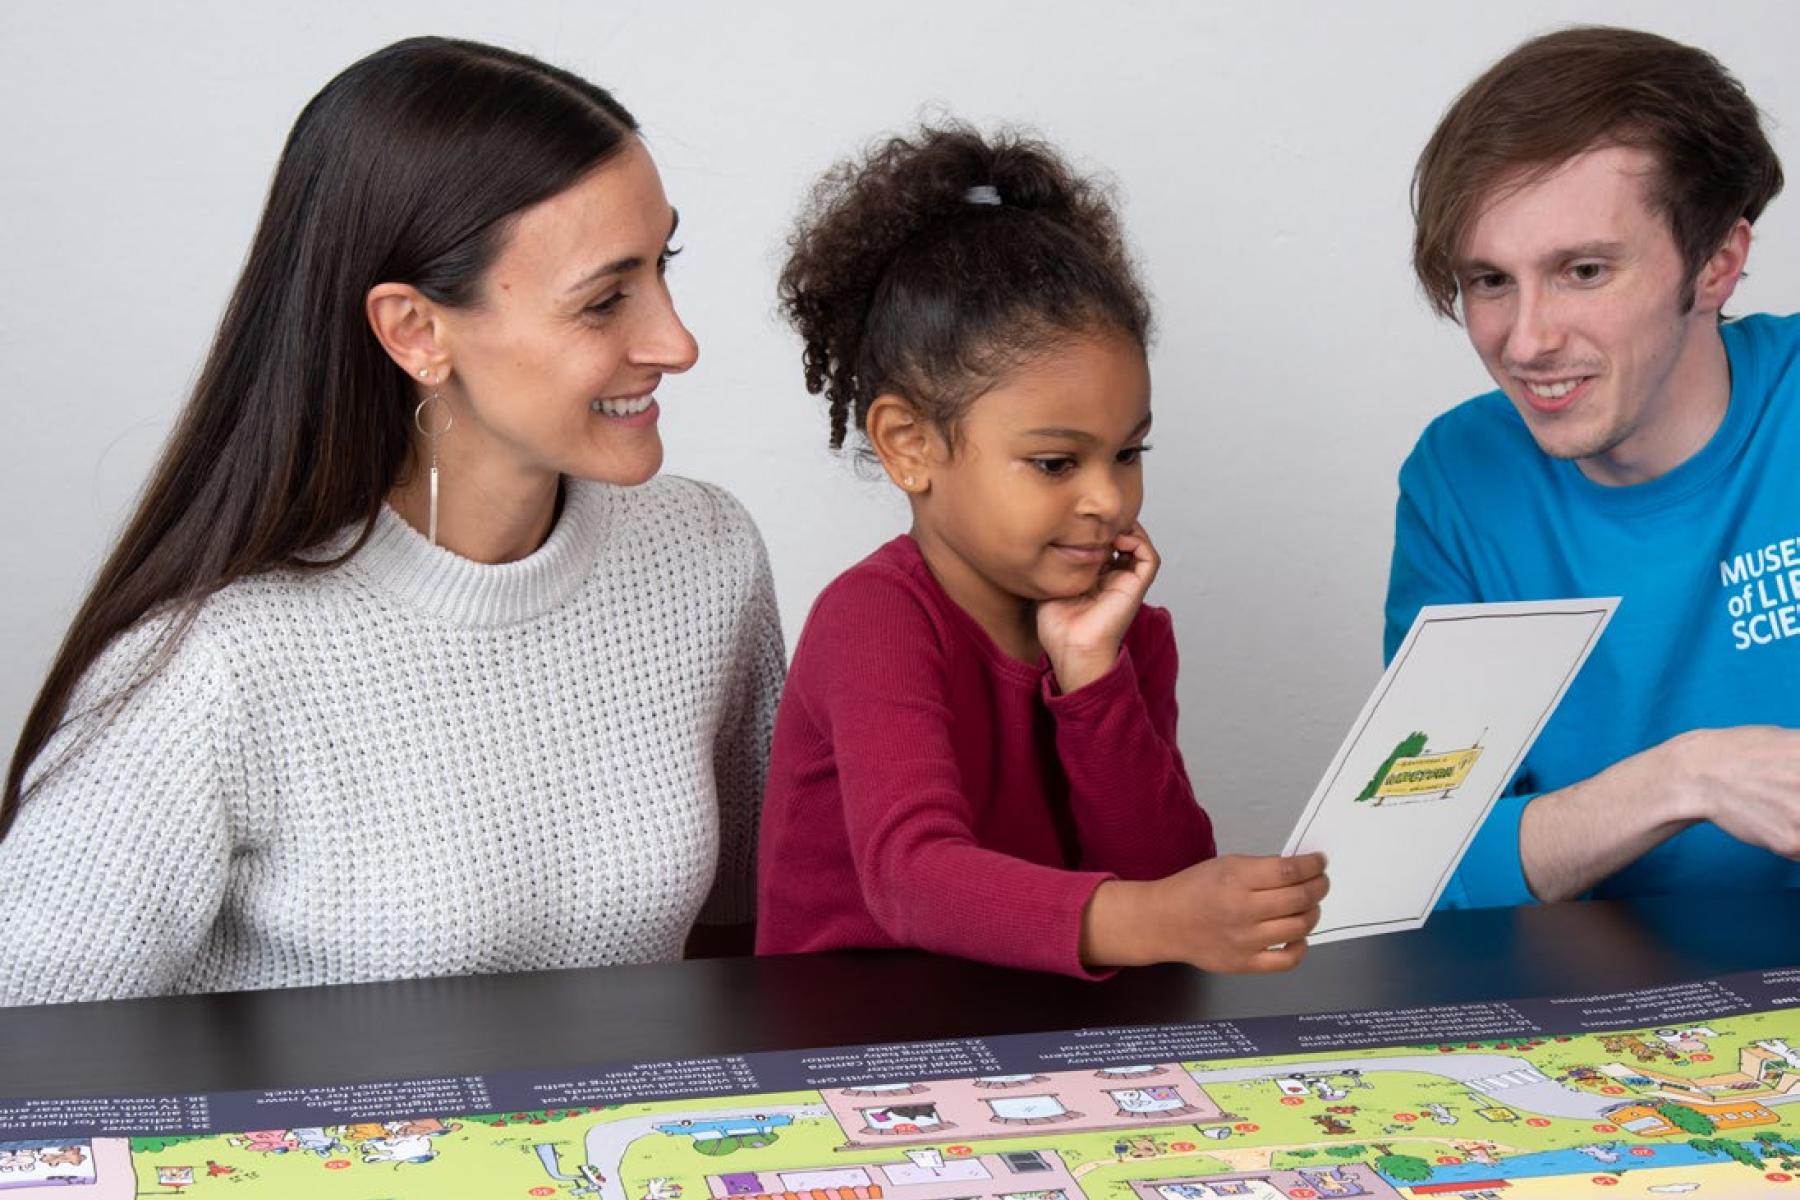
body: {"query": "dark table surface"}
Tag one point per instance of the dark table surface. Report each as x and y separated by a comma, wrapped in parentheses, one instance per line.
(491, 1023)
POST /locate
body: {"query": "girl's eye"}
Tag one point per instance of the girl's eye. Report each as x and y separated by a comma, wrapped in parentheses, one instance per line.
(668, 255)
(1054, 465)
(1132, 454)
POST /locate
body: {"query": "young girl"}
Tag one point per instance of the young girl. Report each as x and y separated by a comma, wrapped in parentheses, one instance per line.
(976, 750)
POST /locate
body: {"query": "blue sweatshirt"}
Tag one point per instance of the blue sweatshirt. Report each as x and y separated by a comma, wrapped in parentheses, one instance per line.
(1706, 559)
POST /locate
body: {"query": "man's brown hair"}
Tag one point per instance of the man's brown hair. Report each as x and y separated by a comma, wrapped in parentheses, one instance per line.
(1560, 94)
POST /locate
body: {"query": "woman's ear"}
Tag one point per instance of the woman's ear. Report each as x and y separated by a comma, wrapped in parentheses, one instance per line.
(907, 443)
(406, 324)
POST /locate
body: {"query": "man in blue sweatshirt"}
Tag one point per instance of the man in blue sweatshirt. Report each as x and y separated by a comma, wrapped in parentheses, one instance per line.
(1584, 210)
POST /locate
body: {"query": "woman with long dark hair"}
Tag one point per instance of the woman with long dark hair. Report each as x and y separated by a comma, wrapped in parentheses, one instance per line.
(407, 664)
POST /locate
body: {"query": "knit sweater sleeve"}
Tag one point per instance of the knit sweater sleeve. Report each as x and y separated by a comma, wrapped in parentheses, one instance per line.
(116, 865)
(756, 666)
(1128, 789)
(878, 688)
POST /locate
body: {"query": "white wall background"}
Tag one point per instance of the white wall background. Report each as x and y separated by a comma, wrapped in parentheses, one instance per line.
(1264, 153)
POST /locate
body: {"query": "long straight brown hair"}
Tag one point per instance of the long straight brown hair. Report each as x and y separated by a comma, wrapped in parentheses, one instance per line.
(405, 168)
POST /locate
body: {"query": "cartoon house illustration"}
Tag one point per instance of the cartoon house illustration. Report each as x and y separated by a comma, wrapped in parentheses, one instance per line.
(925, 1175)
(96, 1168)
(1730, 1115)
(1765, 1069)
(1641, 1119)
(1337, 1180)
(1001, 1105)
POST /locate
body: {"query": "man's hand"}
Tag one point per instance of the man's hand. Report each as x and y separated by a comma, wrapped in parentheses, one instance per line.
(1745, 780)
(1235, 913)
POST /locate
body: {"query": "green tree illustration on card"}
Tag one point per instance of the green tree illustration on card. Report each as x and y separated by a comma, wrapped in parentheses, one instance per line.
(1410, 745)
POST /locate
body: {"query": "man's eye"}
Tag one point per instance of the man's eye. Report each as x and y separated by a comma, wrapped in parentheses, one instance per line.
(1492, 281)
(1054, 467)
(1588, 272)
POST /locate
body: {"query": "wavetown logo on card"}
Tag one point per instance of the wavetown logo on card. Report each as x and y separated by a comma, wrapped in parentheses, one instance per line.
(1413, 772)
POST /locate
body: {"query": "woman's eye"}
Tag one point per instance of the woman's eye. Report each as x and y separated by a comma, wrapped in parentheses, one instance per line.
(1132, 454)
(662, 260)
(1053, 467)
(601, 307)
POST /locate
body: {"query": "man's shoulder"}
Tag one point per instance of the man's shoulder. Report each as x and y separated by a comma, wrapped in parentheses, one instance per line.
(1764, 349)
(1482, 438)
(1776, 332)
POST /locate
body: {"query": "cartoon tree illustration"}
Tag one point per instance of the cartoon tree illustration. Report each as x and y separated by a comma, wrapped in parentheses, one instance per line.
(1735, 1150)
(1686, 1119)
(1406, 1168)
(1413, 743)
(1775, 1144)
(151, 1145)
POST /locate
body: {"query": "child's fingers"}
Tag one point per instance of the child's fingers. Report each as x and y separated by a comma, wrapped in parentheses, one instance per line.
(1138, 554)
(1287, 930)
(1270, 903)
(1273, 871)
(1281, 958)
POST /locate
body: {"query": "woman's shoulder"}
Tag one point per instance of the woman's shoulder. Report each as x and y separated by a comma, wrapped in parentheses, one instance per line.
(685, 523)
(681, 504)
(162, 685)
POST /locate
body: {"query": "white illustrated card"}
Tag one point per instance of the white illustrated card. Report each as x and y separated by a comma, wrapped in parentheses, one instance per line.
(1443, 734)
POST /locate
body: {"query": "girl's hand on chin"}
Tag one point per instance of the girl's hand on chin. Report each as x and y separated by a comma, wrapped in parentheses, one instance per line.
(1081, 634)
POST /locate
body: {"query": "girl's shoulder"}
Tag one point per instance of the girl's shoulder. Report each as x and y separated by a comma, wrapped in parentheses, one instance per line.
(893, 579)
(889, 595)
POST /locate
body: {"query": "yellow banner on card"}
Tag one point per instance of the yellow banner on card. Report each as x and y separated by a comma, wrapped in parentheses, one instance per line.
(1428, 773)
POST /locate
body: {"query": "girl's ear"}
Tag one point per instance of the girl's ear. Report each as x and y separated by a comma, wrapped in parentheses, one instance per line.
(906, 442)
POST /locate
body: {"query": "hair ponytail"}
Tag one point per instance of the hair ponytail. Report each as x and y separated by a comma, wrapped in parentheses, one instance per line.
(935, 262)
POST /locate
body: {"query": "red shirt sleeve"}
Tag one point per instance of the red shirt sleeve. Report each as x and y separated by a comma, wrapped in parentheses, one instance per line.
(1134, 808)
(887, 706)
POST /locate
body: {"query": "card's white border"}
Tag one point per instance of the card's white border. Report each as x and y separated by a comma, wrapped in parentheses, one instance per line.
(1601, 606)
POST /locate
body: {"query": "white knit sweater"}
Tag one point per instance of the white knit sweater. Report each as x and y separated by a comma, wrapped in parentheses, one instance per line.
(414, 764)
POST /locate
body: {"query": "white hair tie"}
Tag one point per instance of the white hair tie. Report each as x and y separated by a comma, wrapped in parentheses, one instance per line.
(982, 193)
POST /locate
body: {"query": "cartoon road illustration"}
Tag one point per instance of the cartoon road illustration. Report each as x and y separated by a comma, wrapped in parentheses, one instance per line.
(1669, 1108)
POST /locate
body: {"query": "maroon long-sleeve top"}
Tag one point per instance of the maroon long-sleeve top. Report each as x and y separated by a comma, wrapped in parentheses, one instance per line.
(927, 789)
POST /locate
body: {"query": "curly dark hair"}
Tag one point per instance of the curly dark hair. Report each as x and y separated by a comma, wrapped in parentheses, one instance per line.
(938, 261)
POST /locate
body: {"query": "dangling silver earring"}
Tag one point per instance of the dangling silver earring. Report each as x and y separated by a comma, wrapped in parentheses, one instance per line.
(431, 431)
